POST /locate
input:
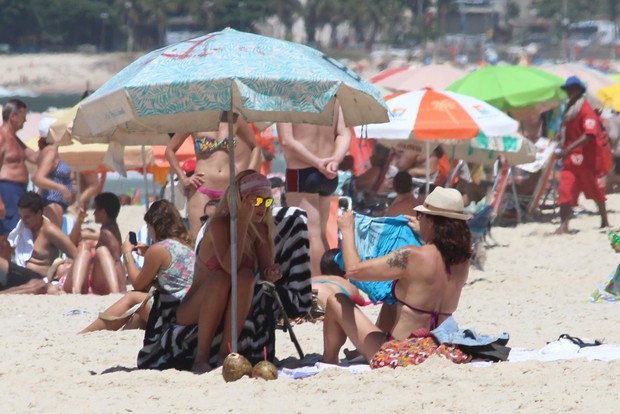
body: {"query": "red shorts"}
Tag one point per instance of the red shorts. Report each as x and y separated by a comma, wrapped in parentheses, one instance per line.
(575, 181)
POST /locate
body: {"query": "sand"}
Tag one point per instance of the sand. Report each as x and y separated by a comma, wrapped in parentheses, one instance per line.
(59, 73)
(534, 288)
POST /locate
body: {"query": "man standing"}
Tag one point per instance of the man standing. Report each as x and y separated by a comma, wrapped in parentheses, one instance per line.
(33, 264)
(13, 172)
(312, 155)
(580, 126)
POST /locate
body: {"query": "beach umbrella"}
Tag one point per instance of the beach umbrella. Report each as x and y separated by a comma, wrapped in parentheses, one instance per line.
(515, 149)
(594, 79)
(509, 87)
(190, 85)
(436, 76)
(430, 115)
(610, 96)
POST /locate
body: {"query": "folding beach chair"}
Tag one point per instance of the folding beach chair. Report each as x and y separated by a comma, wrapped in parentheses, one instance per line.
(480, 227)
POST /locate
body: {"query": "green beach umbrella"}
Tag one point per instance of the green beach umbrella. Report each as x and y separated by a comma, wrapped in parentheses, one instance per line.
(510, 87)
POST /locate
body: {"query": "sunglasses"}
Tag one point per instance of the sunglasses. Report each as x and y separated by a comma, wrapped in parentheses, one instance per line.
(204, 219)
(260, 200)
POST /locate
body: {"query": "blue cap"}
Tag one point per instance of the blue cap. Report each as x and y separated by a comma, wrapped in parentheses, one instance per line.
(572, 81)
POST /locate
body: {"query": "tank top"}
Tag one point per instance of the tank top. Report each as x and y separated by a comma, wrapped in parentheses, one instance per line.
(177, 278)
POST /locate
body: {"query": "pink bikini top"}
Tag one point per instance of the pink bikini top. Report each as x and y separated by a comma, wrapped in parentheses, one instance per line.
(213, 265)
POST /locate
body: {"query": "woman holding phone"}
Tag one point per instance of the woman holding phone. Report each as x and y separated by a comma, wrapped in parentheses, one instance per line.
(168, 266)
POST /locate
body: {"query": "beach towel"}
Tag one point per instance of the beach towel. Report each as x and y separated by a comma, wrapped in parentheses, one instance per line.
(608, 291)
(169, 345)
(376, 237)
(20, 239)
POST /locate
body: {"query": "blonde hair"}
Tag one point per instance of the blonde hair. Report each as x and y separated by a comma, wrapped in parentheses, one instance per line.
(223, 209)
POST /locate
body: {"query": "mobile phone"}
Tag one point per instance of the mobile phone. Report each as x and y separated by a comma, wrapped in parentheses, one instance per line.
(132, 238)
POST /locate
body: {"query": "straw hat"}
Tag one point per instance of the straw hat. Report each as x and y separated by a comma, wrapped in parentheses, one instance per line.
(444, 202)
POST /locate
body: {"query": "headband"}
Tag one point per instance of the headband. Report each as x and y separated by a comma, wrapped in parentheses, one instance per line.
(253, 183)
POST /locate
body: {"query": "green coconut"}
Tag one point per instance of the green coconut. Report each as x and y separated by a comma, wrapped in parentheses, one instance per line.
(265, 370)
(235, 366)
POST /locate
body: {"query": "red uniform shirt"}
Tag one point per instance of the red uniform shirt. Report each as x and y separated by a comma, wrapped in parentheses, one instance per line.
(586, 122)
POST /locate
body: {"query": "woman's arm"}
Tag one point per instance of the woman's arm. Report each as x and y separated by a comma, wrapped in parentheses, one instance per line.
(265, 251)
(246, 134)
(155, 258)
(173, 146)
(61, 241)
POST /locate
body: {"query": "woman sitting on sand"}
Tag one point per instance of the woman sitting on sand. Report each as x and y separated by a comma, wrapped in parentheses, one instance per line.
(208, 300)
(427, 283)
(168, 267)
(211, 175)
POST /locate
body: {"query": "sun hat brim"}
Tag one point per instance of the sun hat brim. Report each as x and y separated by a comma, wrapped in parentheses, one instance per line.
(435, 211)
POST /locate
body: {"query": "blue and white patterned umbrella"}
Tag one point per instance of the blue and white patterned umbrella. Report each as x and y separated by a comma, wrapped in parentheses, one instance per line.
(187, 86)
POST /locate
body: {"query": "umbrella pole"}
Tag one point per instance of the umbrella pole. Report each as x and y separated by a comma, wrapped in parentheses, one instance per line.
(146, 180)
(172, 186)
(428, 167)
(232, 202)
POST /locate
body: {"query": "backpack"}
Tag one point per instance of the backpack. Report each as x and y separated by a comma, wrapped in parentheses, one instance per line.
(604, 154)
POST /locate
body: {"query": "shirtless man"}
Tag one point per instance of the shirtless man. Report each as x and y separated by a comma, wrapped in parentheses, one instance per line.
(104, 272)
(312, 154)
(13, 172)
(49, 242)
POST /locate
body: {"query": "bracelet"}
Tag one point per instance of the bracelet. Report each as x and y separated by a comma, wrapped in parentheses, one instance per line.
(126, 255)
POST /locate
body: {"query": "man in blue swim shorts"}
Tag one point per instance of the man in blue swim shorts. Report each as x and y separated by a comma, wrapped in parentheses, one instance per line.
(13, 172)
(312, 155)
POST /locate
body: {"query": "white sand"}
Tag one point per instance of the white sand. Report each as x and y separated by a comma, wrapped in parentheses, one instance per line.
(535, 288)
(60, 73)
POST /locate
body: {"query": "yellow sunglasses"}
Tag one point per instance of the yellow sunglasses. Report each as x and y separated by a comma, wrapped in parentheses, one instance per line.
(260, 200)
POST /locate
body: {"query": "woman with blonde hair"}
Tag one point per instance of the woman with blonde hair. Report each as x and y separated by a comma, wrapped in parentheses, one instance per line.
(208, 300)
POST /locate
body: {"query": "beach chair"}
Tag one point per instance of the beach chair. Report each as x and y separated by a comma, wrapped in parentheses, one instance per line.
(166, 346)
(480, 227)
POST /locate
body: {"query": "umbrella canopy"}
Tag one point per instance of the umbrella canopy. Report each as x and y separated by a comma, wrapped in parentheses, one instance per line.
(96, 157)
(61, 132)
(594, 79)
(436, 76)
(508, 87)
(187, 86)
(610, 96)
(428, 114)
(484, 150)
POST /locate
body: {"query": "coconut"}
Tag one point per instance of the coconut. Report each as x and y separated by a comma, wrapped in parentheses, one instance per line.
(265, 370)
(235, 366)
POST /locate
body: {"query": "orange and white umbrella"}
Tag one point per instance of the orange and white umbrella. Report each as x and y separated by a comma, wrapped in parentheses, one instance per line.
(428, 114)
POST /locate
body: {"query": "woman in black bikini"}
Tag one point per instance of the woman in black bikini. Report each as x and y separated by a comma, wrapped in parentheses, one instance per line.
(427, 282)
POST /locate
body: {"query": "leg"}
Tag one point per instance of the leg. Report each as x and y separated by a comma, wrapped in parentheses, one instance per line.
(54, 213)
(566, 212)
(245, 295)
(121, 306)
(195, 208)
(5, 248)
(206, 308)
(602, 211)
(343, 319)
(324, 210)
(18, 280)
(385, 322)
(77, 283)
(311, 204)
(106, 278)
(568, 195)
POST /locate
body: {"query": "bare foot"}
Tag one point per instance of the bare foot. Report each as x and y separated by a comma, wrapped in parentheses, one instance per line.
(201, 367)
(351, 354)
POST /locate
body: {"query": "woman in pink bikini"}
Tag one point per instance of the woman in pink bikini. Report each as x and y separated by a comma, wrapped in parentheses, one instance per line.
(208, 299)
(211, 176)
(427, 284)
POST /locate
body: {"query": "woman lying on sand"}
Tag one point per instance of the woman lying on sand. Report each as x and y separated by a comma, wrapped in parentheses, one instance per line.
(208, 300)
(427, 282)
(168, 266)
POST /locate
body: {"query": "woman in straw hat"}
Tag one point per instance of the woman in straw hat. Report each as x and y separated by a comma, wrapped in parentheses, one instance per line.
(427, 283)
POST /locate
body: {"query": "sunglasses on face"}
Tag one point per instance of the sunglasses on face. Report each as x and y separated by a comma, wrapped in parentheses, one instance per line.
(260, 200)
(204, 219)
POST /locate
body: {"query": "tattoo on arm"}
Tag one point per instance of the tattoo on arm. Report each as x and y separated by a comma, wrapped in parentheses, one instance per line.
(399, 259)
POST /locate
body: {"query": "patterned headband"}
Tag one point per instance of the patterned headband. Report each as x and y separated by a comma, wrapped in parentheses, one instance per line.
(253, 183)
